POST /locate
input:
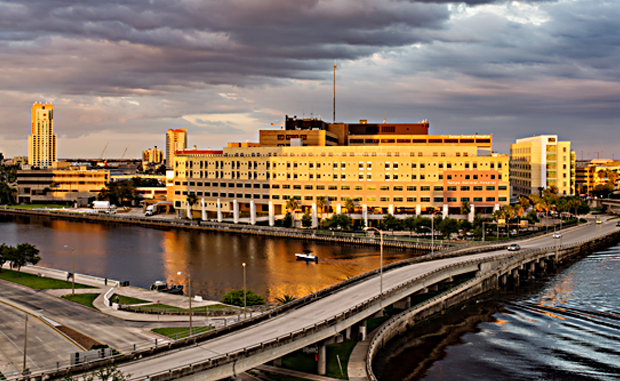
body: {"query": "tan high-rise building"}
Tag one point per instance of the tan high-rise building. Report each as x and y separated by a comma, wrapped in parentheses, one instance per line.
(541, 162)
(152, 156)
(176, 140)
(42, 141)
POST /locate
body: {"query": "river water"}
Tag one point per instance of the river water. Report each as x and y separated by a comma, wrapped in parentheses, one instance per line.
(563, 326)
(143, 255)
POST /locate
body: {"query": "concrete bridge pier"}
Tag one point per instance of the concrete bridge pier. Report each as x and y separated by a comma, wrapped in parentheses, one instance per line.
(322, 357)
(502, 280)
(515, 277)
(434, 287)
(542, 266)
(403, 304)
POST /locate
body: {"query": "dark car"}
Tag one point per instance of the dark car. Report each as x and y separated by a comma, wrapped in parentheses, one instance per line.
(513, 247)
(618, 223)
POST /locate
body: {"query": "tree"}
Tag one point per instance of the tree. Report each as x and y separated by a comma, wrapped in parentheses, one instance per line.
(292, 205)
(349, 204)
(161, 170)
(321, 203)
(525, 202)
(24, 254)
(340, 221)
(109, 372)
(448, 226)
(285, 299)
(391, 223)
(409, 223)
(119, 192)
(7, 193)
(574, 203)
(306, 219)
(5, 254)
(465, 207)
(235, 297)
(288, 220)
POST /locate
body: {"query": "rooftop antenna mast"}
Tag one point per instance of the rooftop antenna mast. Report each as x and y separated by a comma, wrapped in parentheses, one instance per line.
(335, 91)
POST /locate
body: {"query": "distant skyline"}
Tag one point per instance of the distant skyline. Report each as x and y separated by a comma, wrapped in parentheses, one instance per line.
(124, 72)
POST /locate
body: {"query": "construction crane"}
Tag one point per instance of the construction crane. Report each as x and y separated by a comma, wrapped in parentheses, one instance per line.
(104, 148)
(122, 157)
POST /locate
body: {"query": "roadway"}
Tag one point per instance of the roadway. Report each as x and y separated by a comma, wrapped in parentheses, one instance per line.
(329, 306)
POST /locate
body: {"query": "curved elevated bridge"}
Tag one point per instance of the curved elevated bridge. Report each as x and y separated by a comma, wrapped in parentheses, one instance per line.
(320, 317)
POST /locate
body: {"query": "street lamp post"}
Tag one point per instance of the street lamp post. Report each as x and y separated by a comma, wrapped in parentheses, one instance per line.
(189, 285)
(72, 269)
(381, 256)
(25, 345)
(244, 293)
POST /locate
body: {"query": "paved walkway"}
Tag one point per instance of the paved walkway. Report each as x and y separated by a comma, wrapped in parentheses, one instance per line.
(294, 373)
(112, 287)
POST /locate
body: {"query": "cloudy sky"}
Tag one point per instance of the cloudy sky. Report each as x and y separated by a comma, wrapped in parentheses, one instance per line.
(123, 72)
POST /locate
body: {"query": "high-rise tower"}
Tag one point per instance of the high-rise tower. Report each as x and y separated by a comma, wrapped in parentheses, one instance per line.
(176, 140)
(42, 141)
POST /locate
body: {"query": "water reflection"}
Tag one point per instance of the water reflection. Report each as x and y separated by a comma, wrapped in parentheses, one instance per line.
(143, 255)
(558, 327)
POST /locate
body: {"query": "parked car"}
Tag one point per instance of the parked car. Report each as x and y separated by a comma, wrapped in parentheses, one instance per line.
(513, 247)
(557, 235)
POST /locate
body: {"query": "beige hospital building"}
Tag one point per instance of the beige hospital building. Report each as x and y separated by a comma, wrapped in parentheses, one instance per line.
(385, 168)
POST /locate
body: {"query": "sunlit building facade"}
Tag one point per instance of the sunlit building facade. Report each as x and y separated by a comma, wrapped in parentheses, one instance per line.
(541, 162)
(590, 173)
(152, 156)
(384, 168)
(59, 185)
(42, 140)
(176, 140)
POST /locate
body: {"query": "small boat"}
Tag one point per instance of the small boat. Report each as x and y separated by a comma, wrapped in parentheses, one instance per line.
(307, 256)
(176, 289)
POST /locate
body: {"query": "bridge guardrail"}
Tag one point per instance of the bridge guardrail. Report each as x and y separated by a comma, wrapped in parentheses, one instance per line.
(509, 262)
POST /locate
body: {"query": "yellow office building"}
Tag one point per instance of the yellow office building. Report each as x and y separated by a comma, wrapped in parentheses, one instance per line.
(176, 140)
(384, 168)
(541, 162)
(42, 141)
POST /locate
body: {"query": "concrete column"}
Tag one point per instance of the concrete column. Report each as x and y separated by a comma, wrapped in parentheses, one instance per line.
(322, 357)
(338, 209)
(391, 209)
(277, 362)
(219, 210)
(252, 212)
(496, 207)
(515, 277)
(347, 333)
(272, 217)
(189, 210)
(418, 210)
(472, 213)
(444, 211)
(203, 212)
(363, 331)
(235, 212)
(315, 220)
(365, 214)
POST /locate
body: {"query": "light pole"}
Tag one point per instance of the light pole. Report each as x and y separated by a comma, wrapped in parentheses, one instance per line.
(381, 251)
(25, 344)
(72, 269)
(189, 285)
(244, 293)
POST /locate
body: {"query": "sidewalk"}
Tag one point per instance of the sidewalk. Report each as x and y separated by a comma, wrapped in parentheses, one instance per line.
(100, 303)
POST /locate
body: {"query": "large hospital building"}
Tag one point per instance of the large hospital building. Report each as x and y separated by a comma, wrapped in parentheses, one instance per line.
(385, 168)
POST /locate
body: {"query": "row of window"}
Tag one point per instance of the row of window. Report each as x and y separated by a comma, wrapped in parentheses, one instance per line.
(409, 188)
(345, 198)
(335, 176)
(335, 165)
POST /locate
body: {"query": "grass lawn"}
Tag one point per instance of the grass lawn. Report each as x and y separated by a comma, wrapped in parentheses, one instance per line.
(343, 350)
(36, 282)
(180, 332)
(127, 299)
(2, 376)
(36, 206)
(302, 362)
(83, 299)
(164, 307)
(277, 376)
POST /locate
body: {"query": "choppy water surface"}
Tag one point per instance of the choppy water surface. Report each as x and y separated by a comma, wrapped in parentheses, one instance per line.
(558, 327)
(143, 255)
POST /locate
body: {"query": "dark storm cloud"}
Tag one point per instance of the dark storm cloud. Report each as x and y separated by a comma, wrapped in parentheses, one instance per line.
(118, 47)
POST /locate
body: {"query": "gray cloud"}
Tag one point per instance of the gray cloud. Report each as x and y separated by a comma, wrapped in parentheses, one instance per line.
(141, 66)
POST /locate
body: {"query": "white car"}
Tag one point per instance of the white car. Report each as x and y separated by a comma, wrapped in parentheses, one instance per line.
(513, 247)
(557, 235)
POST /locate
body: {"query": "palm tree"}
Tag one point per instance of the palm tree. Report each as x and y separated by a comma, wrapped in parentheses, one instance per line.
(465, 207)
(525, 202)
(285, 299)
(350, 205)
(573, 203)
(191, 200)
(321, 203)
(292, 205)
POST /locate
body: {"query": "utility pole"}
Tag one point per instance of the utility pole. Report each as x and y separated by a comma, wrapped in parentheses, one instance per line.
(334, 120)
(25, 345)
